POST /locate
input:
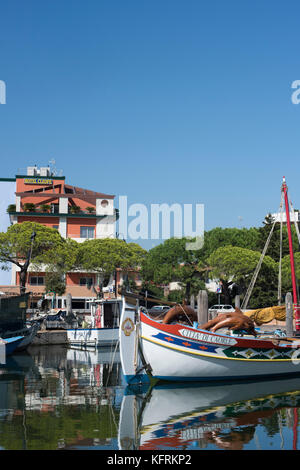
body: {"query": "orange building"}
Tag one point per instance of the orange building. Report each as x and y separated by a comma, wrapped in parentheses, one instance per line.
(76, 213)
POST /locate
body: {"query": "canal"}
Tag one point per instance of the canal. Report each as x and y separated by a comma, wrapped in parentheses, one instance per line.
(53, 397)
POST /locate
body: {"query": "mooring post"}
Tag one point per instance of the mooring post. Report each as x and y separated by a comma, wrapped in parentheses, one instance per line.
(69, 304)
(289, 314)
(202, 307)
(192, 301)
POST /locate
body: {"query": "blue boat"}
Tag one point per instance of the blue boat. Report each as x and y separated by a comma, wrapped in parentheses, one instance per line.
(13, 323)
(11, 344)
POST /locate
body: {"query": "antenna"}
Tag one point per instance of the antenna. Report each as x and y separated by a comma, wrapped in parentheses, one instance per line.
(54, 170)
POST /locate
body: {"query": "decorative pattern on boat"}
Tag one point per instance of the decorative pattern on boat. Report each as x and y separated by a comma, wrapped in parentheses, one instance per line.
(175, 340)
(258, 353)
(229, 352)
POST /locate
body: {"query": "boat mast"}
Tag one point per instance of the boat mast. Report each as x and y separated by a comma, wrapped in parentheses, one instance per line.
(295, 295)
(284, 187)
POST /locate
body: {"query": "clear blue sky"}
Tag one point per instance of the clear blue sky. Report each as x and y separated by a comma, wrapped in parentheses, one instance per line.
(183, 101)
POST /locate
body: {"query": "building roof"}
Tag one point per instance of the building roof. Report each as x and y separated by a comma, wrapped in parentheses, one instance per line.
(66, 190)
(76, 191)
(38, 291)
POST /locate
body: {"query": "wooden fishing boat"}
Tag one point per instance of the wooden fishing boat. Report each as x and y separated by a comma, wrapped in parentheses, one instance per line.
(177, 352)
(150, 348)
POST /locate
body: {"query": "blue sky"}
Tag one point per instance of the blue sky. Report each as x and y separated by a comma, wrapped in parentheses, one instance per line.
(163, 101)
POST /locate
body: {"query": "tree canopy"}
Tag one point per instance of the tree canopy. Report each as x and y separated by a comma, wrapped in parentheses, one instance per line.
(18, 244)
(238, 264)
(172, 262)
(107, 254)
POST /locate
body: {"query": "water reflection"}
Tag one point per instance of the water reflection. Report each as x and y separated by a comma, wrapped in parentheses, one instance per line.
(261, 415)
(54, 398)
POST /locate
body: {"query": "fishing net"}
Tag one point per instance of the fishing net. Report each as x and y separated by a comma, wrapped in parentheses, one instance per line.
(266, 315)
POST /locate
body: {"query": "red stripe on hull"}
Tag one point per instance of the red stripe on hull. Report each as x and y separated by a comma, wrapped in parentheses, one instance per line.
(241, 342)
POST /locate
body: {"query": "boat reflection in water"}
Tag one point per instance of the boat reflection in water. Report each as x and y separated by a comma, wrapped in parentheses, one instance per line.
(223, 416)
(59, 398)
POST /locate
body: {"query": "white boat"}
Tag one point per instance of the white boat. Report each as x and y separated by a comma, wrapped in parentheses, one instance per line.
(150, 349)
(175, 415)
(104, 327)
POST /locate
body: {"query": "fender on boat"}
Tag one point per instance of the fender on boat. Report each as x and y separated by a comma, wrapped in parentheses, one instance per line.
(131, 361)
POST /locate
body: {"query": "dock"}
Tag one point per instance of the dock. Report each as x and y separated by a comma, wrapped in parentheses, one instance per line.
(45, 337)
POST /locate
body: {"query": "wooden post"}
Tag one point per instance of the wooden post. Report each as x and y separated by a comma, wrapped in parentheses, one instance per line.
(289, 314)
(69, 304)
(202, 307)
(192, 301)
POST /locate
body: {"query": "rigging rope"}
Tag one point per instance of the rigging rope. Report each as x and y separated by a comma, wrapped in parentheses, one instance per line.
(257, 269)
(298, 234)
(295, 222)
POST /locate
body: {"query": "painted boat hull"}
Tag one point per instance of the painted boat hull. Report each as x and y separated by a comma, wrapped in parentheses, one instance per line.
(11, 344)
(28, 334)
(180, 353)
(92, 337)
(176, 352)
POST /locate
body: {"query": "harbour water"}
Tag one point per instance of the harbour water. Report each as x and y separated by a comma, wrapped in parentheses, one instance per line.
(53, 397)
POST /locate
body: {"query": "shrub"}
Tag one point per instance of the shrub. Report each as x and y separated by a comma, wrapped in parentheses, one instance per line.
(75, 209)
(11, 208)
(29, 207)
(45, 207)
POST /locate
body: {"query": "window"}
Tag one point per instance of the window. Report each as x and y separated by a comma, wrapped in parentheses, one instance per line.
(54, 208)
(87, 232)
(55, 226)
(86, 281)
(37, 280)
(78, 303)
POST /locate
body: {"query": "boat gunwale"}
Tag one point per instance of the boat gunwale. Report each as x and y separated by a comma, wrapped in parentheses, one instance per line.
(172, 329)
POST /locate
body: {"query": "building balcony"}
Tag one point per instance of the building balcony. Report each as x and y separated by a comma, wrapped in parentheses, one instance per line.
(60, 214)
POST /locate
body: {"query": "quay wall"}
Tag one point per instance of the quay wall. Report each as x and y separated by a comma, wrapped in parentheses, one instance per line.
(45, 337)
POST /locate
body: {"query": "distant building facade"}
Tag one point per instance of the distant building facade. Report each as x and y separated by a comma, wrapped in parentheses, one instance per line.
(77, 213)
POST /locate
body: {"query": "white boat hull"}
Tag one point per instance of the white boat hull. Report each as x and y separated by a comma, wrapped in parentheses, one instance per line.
(178, 352)
(179, 363)
(92, 337)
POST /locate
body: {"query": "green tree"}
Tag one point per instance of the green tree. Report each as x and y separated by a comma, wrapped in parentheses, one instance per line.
(55, 282)
(66, 259)
(238, 264)
(218, 237)
(16, 246)
(105, 255)
(274, 245)
(172, 262)
(286, 273)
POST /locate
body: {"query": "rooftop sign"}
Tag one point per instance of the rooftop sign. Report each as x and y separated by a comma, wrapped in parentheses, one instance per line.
(38, 181)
